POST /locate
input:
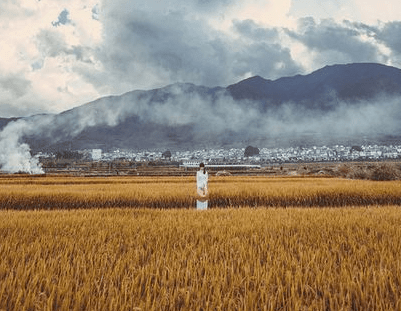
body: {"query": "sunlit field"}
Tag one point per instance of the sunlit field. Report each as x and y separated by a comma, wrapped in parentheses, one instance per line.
(178, 192)
(136, 243)
(220, 259)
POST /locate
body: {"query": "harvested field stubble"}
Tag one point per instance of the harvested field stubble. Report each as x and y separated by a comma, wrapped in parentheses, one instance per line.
(222, 259)
(25, 193)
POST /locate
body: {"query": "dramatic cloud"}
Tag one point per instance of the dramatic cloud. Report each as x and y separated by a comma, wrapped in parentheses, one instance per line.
(152, 47)
(67, 53)
(335, 42)
(390, 36)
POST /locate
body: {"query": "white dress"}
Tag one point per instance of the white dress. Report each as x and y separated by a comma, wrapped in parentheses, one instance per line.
(201, 185)
(201, 182)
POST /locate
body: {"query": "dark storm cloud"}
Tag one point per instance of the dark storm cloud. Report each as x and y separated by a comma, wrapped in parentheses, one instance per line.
(329, 36)
(249, 29)
(362, 28)
(390, 35)
(265, 60)
(387, 34)
(262, 54)
(161, 44)
(150, 42)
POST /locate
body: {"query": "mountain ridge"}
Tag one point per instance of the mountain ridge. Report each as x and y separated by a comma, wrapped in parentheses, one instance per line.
(296, 110)
(321, 80)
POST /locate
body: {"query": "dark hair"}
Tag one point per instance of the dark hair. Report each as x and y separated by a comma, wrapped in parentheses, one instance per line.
(204, 169)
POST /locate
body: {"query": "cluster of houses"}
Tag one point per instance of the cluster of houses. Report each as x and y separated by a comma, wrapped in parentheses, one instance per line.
(266, 155)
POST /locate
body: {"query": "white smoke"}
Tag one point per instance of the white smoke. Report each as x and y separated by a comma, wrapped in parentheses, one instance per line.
(15, 155)
(213, 117)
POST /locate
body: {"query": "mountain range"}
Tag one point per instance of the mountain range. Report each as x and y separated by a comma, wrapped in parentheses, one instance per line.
(351, 103)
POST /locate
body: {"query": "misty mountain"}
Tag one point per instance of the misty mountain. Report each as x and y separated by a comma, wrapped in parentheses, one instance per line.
(336, 104)
(318, 90)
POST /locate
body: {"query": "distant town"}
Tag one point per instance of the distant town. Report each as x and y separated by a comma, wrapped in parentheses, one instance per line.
(256, 156)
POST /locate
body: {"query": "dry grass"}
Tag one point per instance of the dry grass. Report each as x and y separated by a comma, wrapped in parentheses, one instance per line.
(380, 171)
(181, 259)
(222, 259)
(65, 192)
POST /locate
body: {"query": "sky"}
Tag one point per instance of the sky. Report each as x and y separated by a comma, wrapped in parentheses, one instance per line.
(58, 54)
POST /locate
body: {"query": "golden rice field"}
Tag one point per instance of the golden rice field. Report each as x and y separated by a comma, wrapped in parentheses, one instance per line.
(65, 192)
(119, 243)
(220, 259)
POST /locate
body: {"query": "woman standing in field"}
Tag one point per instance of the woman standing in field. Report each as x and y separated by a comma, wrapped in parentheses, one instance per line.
(202, 187)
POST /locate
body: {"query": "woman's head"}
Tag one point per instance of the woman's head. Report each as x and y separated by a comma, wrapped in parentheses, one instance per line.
(202, 165)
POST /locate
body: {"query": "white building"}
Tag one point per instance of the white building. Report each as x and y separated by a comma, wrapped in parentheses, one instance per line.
(96, 154)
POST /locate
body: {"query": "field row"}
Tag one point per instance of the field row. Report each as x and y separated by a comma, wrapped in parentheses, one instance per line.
(26, 193)
(222, 259)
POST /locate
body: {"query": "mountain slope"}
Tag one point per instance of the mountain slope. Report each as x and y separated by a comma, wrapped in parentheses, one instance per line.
(349, 82)
(351, 102)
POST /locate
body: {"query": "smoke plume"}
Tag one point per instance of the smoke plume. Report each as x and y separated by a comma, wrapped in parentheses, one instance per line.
(15, 156)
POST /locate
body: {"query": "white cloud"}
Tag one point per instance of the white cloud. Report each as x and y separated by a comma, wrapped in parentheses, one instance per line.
(271, 13)
(36, 51)
(108, 47)
(371, 11)
(335, 9)
(366, 11)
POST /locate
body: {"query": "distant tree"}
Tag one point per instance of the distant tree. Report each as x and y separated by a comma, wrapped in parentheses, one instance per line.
(251, 151)
(68, 154)
(166, 154)
(356, 148)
